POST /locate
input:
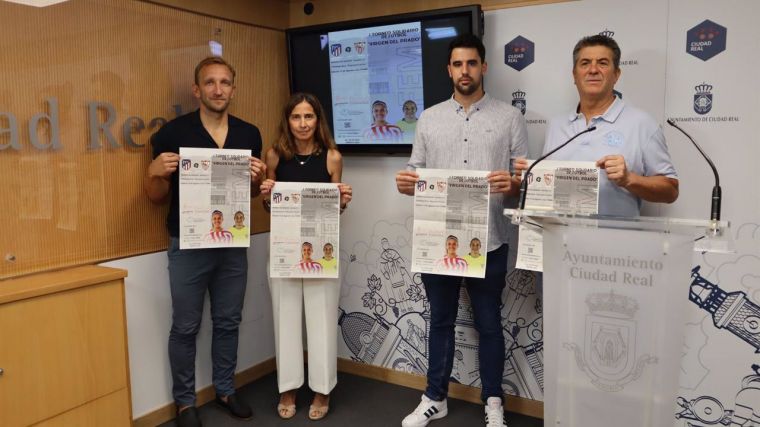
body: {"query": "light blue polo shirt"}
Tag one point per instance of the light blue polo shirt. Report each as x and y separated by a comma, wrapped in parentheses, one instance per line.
(624, 130)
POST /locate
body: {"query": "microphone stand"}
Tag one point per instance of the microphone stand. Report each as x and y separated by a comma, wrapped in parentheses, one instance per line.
(524, 183)
(716, 191)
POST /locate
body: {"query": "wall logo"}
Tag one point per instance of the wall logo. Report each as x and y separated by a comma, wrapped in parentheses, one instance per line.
(336, 49)
(706, 40)
(607, 33)
(703, 99)
(518, 101)
(623, 62)
(519, 53)
(702, 104)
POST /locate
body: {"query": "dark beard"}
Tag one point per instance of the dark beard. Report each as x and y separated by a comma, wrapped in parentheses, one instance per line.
(468, 90)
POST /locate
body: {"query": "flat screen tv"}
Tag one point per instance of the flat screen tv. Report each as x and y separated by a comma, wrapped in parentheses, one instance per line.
(373, 75)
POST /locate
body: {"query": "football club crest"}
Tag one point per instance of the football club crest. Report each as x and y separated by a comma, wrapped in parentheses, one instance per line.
(276, 197)
(608, 355)
(205, 164)
(518, 101)
(336, 49)
(359, 47)
(421, 185)
(703, 98)
(187, 164)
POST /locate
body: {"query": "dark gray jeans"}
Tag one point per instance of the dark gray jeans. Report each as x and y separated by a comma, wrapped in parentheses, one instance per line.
(223, 273)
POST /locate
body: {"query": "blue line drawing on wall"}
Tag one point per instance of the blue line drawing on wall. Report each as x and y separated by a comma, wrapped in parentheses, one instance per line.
(608, 356)
(747, 403)
(693, 370)
(704, 409)
(387, 323)
(405, 293)
(524, 365)
(708, 411)
(374, 341)
(730, 310)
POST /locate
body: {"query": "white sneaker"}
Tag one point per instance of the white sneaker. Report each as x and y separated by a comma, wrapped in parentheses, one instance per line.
(426, 411)
(495, 413)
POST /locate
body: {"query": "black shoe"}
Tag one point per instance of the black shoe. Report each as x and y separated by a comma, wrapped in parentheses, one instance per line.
(235, 407)
(188, 418)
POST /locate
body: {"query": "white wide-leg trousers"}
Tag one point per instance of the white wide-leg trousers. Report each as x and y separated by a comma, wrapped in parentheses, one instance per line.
(319, 298)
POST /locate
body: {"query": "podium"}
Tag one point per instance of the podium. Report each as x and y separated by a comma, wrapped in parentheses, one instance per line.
(615, 298)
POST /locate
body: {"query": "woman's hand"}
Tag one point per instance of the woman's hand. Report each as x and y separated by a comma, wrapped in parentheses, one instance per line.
(346, 194)
(266, 187)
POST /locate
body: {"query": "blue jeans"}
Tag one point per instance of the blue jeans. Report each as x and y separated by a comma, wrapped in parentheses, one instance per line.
(223, 273)
(485, 297)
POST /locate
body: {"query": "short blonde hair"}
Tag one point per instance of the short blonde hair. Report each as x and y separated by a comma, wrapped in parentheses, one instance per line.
(212, 60)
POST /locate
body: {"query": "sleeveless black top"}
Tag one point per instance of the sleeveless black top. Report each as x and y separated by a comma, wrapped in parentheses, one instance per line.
(303, 168)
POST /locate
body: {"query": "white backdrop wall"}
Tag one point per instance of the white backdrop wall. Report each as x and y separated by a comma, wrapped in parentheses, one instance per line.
(384, 319)
(717, 371)
(149, 315)
(385, 307)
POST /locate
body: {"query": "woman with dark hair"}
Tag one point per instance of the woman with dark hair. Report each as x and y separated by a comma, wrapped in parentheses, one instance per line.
(305, 152)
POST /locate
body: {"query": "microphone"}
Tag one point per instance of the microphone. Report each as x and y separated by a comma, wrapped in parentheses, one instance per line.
(716, 192)
(524, 183)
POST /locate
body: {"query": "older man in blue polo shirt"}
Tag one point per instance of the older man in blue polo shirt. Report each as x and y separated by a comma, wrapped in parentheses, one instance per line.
(627, 143)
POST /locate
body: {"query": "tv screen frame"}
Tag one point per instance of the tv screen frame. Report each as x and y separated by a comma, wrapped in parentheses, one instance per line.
(436, 82)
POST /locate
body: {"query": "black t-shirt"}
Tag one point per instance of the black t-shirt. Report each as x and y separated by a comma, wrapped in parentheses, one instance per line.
(188, 131)
(304, 169)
